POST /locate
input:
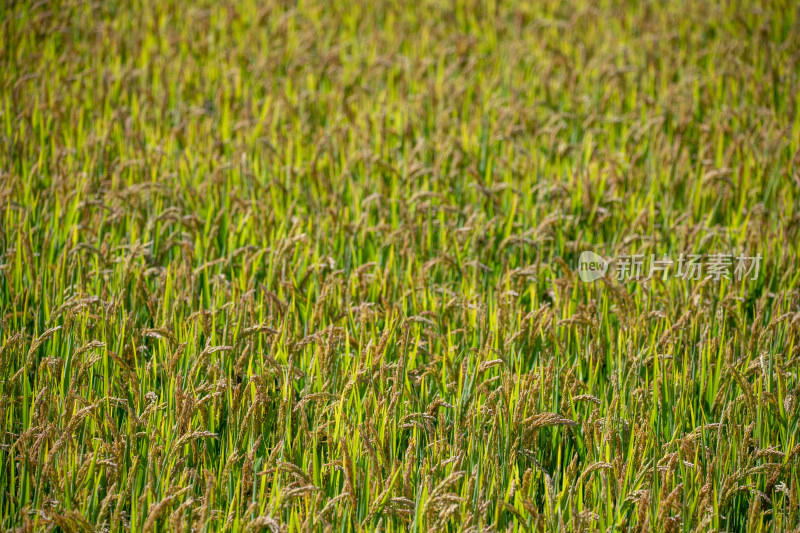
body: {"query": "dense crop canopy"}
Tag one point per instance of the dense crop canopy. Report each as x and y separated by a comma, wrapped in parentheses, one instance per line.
(291, 266)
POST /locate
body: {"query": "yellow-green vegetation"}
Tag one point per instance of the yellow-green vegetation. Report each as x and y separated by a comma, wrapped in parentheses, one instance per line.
(305, 265)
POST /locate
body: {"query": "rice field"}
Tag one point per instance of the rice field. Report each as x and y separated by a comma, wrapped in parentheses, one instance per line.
(305, 266)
